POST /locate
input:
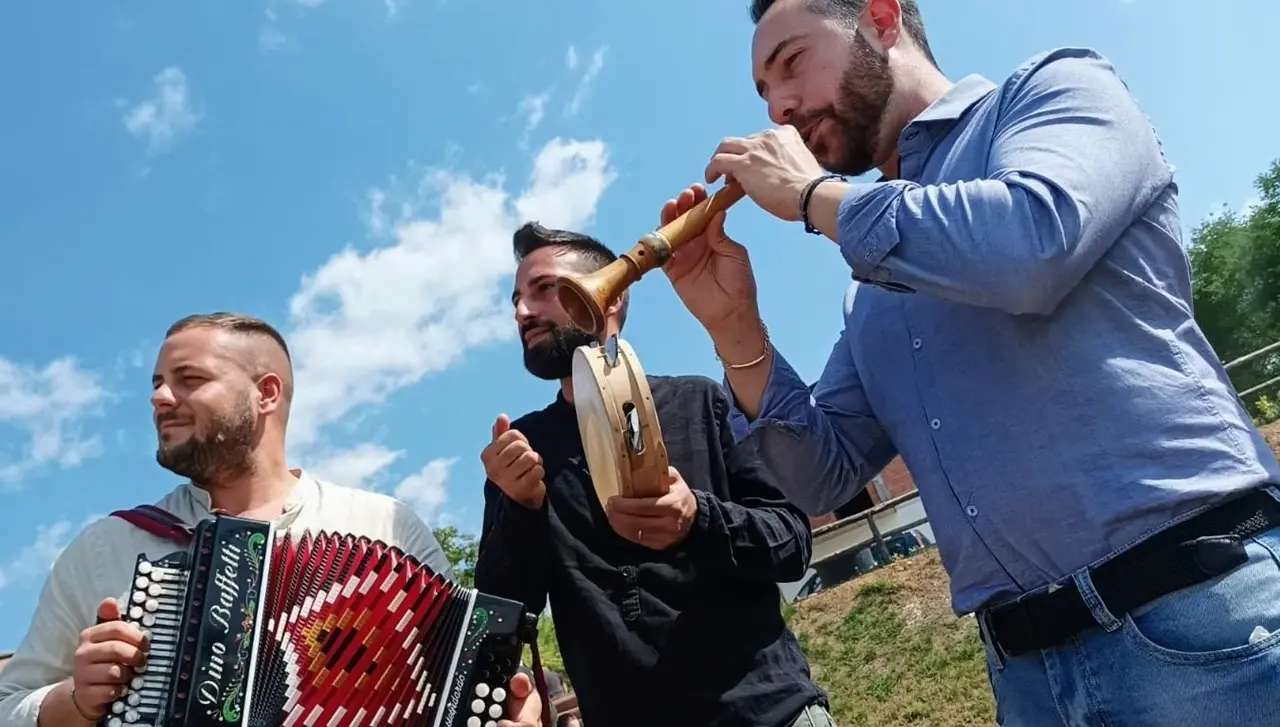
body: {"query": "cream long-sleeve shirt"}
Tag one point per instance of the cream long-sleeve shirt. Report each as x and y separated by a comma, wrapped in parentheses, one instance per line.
(99, 563)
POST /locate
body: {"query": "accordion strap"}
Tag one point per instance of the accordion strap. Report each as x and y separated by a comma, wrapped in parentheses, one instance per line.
(540, 682)
(160, 523)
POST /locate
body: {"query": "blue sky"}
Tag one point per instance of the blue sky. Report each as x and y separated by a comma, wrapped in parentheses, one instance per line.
(351, 171)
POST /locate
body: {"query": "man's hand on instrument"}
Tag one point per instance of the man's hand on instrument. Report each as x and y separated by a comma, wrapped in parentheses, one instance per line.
(711, 273)
(511, 464)
(773, 167)
(524, 704)
(105, 661)
(655, 522)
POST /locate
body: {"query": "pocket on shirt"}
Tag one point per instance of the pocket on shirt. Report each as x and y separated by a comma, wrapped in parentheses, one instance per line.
(1214, 622)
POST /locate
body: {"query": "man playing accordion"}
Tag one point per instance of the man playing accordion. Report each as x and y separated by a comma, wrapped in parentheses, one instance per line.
(221, 392)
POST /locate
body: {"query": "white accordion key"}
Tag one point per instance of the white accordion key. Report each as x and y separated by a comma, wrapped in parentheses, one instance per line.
(495, 710)
(473, 721)
(482, 690)
(499, 695)
(144, 567)
(477, 706)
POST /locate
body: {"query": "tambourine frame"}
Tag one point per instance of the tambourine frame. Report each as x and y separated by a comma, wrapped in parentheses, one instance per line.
(618, 423)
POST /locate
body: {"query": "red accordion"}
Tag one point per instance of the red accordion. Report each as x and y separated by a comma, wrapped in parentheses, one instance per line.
(254, 628)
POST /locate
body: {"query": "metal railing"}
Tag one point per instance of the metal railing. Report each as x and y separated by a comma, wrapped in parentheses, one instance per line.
(1249, 357)
(840, 538)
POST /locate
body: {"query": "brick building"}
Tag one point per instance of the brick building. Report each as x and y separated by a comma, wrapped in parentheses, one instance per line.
(893, 481)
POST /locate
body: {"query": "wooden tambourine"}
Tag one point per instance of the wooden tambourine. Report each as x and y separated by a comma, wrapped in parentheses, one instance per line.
(618, 422)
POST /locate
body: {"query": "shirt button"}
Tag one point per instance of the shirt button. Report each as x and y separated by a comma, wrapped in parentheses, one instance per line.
(916, 343)
(971, 511)
(936, 424)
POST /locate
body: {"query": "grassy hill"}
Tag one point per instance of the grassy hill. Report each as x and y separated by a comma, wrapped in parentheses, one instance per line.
(887, 649)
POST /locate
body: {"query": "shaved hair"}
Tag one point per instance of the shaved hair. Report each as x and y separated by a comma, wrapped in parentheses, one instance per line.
(265, 345)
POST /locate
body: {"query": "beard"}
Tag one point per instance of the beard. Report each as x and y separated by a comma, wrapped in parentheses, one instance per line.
(862, 99)
(552, 358)
(225, 451)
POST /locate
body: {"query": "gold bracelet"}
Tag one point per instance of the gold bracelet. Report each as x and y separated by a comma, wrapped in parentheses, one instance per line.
(79, 709)
(767, 348)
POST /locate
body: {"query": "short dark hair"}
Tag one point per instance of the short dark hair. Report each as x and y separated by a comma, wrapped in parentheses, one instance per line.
(234, 322)
(848, 11)
(533, 236)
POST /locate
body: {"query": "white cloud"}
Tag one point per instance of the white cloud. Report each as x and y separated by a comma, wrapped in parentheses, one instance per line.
(425, 490)
(355, 467)
(34, 560)
(47, 406)
(365, 325)
(584, 85)
(534, 107)
(571, 58)
(165, 116)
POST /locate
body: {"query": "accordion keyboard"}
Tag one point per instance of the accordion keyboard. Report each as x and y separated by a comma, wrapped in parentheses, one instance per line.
(155, 605)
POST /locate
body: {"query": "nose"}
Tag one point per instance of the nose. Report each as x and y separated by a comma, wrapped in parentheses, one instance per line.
(523, 312)
(162, 398)
(782, 105)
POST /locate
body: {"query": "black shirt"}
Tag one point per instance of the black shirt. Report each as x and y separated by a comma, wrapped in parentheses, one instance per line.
(692, 635)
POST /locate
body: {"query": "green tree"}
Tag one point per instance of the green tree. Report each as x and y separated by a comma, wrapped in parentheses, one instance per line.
(461, 549)
(1235, 261)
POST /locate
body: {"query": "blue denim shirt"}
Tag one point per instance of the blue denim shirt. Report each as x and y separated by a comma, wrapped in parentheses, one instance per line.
(1020, 331)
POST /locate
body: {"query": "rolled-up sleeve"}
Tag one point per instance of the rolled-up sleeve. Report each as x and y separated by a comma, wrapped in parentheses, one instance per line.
(1020, 239)
(44, 657)
(823, 445)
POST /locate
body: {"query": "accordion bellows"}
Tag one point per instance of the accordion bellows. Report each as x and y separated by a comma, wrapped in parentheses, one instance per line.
(254, 628)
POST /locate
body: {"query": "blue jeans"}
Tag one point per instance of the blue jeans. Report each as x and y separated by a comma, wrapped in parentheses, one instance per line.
(1195, 657)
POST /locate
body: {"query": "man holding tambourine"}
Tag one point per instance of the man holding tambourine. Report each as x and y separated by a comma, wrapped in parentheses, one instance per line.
(658, 546)
(1020, 330)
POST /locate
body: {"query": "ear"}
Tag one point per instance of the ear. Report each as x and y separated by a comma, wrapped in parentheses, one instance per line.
(270, 393)
(881, 24)
(614, 310)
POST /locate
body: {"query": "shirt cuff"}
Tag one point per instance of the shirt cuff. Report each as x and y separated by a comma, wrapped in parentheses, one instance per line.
(520, 519)
(26, 713)
(868, 227)
(786, 399)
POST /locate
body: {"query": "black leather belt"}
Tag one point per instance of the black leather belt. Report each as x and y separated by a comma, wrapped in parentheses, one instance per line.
(1191, 552)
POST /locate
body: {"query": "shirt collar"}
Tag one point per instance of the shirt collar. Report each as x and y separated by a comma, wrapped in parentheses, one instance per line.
(951, 105)
(304, 492)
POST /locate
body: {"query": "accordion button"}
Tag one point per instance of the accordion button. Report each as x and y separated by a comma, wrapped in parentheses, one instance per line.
(135, 612)
(117, 707)
(134, 700)
(477, 706)
(136, 683)
(473, 721)
(495, 710)
(144, 567)
(482, 690)
(490, 723)
(131, 716)
(153, 589)
(151, 604)
(139, 596)
(115, 722)
(141, 582)
(499, 695)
